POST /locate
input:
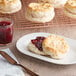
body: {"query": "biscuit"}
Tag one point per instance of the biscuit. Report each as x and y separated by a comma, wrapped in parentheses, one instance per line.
(39, 12)
(10, 6)
(55, 3)
(70, 9)
(55, 46)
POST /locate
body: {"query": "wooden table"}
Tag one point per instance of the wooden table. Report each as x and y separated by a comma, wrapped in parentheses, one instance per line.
(41, 67)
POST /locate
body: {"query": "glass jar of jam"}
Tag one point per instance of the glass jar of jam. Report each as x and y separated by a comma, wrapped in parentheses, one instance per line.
(6, 31)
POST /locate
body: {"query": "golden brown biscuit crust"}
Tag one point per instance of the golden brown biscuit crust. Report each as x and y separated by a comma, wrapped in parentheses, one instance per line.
(10, 6)
(7, 1)
(71, 4)
(40, 6)
(55, 44)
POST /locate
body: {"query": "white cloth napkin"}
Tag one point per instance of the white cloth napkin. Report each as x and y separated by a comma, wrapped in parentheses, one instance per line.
(7, 69)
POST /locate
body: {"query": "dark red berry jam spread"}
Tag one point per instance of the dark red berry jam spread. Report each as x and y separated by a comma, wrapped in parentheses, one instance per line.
(38, 42)
(4, 23)
(6, 33)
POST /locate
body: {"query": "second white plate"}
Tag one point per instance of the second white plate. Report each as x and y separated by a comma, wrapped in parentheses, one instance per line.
(23, 42)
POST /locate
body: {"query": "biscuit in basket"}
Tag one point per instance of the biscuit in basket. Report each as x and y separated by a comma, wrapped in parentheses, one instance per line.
(55, 3)
(10, 6)
(70, 9)
(55, 46)
(39, 12)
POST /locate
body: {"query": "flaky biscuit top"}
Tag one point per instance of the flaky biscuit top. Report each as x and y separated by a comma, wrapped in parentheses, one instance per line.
(5, 2)
(40, 7)
(55, 44)
(70, 6)
(71, 3)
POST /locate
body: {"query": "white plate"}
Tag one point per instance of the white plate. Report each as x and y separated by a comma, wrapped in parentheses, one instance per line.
(22, 44)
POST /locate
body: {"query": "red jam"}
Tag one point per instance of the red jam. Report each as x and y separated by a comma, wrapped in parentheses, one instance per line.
(38, 42)
(5, 32)
(4, 23)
